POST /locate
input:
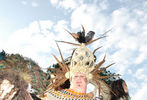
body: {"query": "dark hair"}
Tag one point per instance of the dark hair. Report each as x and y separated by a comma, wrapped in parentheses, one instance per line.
(65, 85)
(117, 88)
(34, 97)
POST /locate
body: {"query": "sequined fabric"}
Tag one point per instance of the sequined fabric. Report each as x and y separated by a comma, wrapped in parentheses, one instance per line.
(65, 94)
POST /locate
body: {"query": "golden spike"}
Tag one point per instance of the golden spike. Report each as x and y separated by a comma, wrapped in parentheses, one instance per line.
(74, 35)
(99, 64)
(102, 36)
(99, 90)
(63, 68)
(67, 69)
(105, 68)
(94, 40)
(49, 87)
(98, 86)
(58, 74)
(107, 31)
(83, 30)
(69, 43)
(96, 49)
(51, 79)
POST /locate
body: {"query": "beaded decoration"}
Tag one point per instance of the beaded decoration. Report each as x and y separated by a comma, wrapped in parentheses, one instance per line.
(65, 94)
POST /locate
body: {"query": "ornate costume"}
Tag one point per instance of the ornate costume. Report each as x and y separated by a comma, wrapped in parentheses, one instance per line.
(83, 61)
(65, 94)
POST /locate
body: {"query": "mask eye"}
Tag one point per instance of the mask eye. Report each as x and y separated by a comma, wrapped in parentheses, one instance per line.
(87, 63)
(75, 62)
(76, 53)
(81, 58)
(91, 64)
(87, 54)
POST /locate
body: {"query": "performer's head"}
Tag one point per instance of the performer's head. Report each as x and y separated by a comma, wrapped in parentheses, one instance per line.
(12, 86)
(79, 82)
(120, 88)
(82, 63)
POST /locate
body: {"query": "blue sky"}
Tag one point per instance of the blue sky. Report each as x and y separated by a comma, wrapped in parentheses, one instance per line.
(30, 28)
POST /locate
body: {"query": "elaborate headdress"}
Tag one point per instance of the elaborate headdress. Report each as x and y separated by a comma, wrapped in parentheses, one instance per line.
(82, 60)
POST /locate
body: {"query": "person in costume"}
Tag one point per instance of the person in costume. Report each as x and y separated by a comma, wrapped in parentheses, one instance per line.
(121, 90)
(81, 71)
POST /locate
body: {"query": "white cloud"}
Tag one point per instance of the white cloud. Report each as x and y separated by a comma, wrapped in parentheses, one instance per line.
(34, 4)
(143, 47)
(37, 41)
(120, 17)
(128, 40)
(121, 58)
(45, 26)
(91, 18)
(63, 35)
(141, 93)
(34, 27)
(104, 5)
(60, 26)
(124, 0)
(132, 84)
(30, 42)
(24, 2)
(141, 74)
(67, 4)
(145, 3)
(132, 24)
(54, 2)
(141, 57)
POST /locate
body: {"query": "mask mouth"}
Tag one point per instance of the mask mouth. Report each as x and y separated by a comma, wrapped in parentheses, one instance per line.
(79, 86)
(79, 83)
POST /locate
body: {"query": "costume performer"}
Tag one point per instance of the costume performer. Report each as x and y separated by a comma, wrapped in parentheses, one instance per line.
(81, 71)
